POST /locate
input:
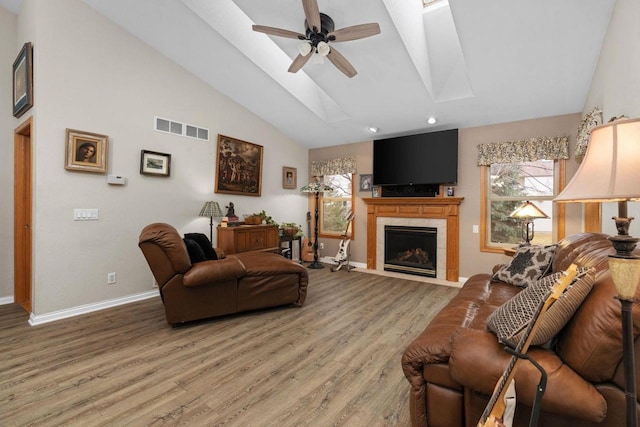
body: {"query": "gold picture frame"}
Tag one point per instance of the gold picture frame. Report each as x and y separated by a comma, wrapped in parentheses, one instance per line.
(238, 167)
(289, 178)
(86, 151)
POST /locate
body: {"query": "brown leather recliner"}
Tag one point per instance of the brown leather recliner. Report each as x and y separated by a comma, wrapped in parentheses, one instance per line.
(239, 282)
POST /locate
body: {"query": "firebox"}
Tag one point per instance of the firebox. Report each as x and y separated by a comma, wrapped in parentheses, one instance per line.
(410, 250)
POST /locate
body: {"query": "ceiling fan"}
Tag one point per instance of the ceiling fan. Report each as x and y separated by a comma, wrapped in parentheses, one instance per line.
(319, 33)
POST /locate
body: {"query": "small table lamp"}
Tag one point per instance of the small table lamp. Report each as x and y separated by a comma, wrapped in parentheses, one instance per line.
(316, 187)
(610, 172)
(527, 212)
(211, 210)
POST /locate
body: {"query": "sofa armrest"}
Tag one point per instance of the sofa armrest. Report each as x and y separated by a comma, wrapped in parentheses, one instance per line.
(478, 361)
(210, 272)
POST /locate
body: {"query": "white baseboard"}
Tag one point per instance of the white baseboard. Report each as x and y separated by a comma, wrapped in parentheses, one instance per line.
(6, 300)
(88, 308)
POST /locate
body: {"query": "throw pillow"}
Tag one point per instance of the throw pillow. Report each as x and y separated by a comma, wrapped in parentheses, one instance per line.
(195, 251)
(529, 263)
(511, 319)
(204, 243)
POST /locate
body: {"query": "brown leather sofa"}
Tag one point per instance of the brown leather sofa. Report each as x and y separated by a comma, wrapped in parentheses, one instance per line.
(236, 283)
(455, 363)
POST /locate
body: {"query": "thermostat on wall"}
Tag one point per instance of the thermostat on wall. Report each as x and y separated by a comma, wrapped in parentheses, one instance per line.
(116, 180)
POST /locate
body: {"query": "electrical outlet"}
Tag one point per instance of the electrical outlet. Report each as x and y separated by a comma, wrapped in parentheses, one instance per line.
(111, 278)
(475, 229)
(321, 245)
(154, 284)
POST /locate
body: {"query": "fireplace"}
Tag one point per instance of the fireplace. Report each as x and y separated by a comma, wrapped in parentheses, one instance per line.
(439, 212)
(411, 250)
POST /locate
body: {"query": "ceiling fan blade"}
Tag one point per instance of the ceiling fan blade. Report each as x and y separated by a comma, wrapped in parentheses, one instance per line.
(354, 32)
(312, 13)
(278, 32)
(299, 62)
(341, 63)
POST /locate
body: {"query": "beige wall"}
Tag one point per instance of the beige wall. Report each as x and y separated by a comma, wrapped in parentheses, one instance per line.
(92, 76)
(9, 49)
(471, 259)
(615, 87)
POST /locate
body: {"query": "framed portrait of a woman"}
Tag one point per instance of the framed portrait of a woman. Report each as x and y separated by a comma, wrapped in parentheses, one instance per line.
(86, 151)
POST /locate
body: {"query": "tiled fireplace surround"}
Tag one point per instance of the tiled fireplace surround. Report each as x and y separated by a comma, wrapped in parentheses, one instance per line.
(439, 212)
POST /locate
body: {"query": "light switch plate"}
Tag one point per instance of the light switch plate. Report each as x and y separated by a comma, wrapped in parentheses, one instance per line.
(85, 215)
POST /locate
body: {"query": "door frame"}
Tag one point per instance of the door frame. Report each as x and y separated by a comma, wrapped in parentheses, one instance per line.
(22, 208)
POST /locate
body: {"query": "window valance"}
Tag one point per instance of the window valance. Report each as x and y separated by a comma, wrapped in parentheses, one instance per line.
(528, 150)
(340, 166)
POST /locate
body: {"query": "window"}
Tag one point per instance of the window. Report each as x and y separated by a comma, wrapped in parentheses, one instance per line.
(506, 186)
(335, 205)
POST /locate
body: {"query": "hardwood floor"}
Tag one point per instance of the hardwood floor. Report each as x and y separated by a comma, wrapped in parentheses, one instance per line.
(335, 361)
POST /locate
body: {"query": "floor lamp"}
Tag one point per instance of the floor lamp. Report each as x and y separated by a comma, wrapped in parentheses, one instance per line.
(316, 187)
(211, 210)
(610, 172)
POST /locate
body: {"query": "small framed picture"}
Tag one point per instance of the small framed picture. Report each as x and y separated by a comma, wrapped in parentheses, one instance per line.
(153, 163)
(23, 81)
(86, 151)
(375, 191)
(289, 177)
(366, 182)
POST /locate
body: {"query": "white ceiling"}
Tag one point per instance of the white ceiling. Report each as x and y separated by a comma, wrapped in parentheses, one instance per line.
(467, 62)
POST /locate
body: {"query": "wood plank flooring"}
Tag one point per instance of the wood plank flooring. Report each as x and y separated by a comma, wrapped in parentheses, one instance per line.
(333, 362)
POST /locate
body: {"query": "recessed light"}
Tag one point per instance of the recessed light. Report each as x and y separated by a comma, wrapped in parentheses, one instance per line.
(373, 130)
(431, 120)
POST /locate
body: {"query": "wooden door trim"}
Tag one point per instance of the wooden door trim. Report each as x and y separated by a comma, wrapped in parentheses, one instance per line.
(23, 196)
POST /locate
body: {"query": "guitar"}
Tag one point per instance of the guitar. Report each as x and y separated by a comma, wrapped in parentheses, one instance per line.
(494, 412)
(307, 246)
(342, 257)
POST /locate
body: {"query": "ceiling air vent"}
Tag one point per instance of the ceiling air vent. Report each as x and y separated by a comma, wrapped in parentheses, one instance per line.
(177, 128)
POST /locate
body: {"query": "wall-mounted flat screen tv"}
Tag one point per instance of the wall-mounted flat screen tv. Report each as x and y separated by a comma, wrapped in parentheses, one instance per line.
(427, 158)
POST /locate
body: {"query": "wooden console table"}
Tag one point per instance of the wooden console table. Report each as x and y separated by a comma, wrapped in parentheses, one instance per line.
(246, 238)
(447, 208)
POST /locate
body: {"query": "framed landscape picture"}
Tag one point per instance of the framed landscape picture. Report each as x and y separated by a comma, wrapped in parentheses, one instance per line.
(238, 167)
(23, 81)
(86, 151)
(154, 163)
(289, 177)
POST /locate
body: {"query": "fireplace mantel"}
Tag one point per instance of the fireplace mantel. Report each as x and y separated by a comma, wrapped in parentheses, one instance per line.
(447, 208)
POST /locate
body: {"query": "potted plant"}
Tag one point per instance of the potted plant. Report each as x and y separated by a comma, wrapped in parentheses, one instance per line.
(291, 229)
(259, 218)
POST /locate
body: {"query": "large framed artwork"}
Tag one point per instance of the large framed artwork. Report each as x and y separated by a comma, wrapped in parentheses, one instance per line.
(238, 167)
(86, 151)
(23, 81)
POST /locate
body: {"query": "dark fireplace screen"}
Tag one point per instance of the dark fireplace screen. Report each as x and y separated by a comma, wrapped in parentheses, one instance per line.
(410, 250)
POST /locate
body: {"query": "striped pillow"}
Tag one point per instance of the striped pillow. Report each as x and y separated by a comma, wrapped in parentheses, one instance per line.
(511, 319)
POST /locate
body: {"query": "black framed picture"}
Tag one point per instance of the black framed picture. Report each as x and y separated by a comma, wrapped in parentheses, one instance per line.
(366, 182)
(154, 163)
(23, 81)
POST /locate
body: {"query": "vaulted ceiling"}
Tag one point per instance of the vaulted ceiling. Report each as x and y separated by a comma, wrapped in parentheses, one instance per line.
(465, 62)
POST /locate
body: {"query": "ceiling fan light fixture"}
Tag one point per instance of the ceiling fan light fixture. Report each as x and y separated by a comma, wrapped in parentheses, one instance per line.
(304, 48)
(323, 49)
